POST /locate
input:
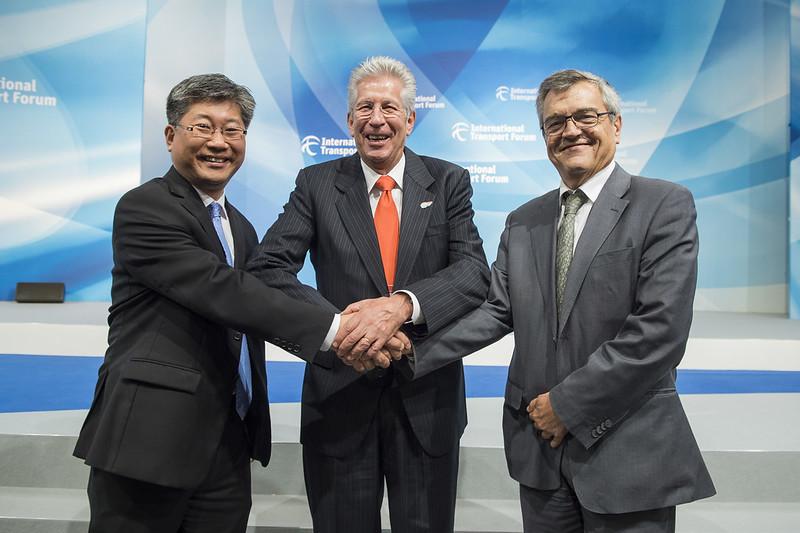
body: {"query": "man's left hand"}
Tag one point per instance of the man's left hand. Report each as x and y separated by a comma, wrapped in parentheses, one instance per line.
(540, 411)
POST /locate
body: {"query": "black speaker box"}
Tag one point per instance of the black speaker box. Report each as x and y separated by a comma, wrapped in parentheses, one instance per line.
(51, 293)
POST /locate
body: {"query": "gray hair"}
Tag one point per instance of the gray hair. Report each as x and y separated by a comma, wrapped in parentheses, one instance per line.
(208, 88)
(376, 66)
(564, 79)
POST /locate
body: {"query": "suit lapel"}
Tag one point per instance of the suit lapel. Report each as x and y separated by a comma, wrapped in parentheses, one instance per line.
(356, 215)
(602, 219)
(237, 230)
(414, 222)
(190, 200)
(543, 238)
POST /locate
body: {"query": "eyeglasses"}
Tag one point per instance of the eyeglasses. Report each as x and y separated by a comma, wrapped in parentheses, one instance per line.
(583, 120)
(204, 131)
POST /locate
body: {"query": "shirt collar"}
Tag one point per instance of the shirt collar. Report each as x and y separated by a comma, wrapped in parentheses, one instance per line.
(207, 200)
(396, 173)
(591, 187)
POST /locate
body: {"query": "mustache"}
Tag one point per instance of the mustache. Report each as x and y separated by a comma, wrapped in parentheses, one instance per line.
(563, 145)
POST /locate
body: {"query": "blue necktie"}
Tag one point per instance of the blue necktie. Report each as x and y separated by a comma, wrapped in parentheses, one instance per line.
(244, 385)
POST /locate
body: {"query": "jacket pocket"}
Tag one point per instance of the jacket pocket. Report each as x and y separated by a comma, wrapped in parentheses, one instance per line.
(613, 256)
(514, 396)
(162, 374)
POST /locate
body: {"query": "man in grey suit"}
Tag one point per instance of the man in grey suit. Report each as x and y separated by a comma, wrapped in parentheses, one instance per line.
(426, 266)
(596, 279)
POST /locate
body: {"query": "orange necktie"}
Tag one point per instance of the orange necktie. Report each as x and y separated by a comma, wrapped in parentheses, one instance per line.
(387, 226)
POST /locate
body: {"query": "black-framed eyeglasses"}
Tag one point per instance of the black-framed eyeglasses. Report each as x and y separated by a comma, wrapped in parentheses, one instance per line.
(582, 119)
(204, 131)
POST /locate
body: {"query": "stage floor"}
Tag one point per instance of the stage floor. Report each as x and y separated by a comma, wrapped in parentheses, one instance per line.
(739, 382)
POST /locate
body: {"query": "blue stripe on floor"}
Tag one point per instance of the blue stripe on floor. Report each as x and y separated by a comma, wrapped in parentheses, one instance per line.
(51, 383)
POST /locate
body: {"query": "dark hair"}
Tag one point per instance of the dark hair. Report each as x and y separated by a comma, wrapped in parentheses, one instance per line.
(564, 79)
(208, 88)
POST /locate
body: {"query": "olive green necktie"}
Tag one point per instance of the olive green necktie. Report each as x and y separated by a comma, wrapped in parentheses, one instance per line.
(566, 239)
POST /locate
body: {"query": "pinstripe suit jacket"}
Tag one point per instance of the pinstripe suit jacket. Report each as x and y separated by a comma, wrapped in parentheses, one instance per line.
(610, 364)
(440, 260)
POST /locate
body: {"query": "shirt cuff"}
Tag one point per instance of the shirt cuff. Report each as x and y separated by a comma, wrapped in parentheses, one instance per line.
(416, 311)
(326, 344)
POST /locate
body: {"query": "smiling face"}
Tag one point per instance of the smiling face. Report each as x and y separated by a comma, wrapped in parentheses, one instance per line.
(378, 122)
(208, 164)
(579, 154)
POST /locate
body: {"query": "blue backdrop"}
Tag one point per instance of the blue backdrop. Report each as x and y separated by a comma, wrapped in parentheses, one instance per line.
(705, 89)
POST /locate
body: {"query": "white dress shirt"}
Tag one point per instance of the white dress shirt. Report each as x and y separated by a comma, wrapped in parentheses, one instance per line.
(591, 188)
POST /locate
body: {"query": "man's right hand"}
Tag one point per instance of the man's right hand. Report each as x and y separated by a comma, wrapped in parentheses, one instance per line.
(394, 349)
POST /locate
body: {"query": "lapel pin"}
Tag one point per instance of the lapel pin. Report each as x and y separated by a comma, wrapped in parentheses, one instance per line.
(424, 205)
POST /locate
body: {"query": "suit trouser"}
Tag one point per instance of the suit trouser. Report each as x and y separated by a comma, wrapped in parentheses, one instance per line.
(220, 504)
(560, 511)
(345, 494)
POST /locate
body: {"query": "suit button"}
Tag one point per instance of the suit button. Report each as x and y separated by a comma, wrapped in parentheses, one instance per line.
(295, 349)
(276, 340)
(594, 434)
(608, 423)
(237, 336)
(603, 426)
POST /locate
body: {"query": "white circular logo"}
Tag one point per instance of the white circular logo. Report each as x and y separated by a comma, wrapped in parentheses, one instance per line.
(502, 93)
(308, 144)
(458, 131)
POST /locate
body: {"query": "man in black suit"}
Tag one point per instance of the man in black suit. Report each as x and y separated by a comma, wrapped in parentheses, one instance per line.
(359, 431)
(181, 401)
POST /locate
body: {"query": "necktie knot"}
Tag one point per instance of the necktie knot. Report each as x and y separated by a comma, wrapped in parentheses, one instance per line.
(385, 183)
(215, 209)
(573, 201)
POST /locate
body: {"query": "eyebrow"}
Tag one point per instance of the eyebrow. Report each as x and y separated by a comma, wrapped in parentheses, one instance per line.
(203, 116)
(581, 110)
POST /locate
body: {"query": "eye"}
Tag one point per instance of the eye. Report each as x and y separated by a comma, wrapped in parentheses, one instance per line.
(202, 128)
(554, 123)
(587, 118)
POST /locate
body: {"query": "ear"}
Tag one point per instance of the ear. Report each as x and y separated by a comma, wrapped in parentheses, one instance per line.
(412, 118)
(617, 127)
(351, 124)
(169, 136)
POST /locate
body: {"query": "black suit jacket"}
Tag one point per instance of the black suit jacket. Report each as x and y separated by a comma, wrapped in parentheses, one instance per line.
(164, 390)
(440, 260)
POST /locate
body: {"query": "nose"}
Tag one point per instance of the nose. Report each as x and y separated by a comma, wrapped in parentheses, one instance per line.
(217, 140)
(376, 117)
(571, 129)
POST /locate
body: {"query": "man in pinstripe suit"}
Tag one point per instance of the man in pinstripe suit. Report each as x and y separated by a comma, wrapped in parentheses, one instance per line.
(361, 430)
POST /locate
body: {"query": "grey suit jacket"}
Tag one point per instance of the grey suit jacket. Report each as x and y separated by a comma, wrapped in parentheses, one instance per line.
(440, 260)
(610, 366)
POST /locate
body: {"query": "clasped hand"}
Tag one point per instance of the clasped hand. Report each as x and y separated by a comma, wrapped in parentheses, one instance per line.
(545, 419)
(369, 334)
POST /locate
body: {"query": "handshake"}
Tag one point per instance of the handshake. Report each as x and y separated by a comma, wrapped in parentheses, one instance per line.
(369, 333)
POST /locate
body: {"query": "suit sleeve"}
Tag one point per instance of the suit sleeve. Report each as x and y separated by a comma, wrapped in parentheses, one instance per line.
(462, 284)
(653, 337)
(475, 330)
(282, 252)
(159, 248)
